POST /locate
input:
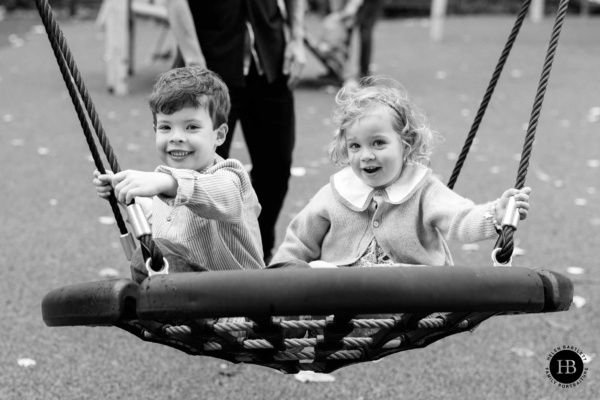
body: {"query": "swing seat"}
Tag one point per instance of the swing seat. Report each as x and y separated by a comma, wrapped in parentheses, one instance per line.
(318, 320)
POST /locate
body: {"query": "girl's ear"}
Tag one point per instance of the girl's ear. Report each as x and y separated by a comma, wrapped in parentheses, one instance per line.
(222, 134)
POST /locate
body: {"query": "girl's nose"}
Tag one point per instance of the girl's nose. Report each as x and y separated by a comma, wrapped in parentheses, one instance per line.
(367, 155)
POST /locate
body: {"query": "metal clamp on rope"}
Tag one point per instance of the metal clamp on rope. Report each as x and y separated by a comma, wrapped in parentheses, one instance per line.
(497, 263)
(163, 271)
(512, 216)
(128, 244)
(138, 221)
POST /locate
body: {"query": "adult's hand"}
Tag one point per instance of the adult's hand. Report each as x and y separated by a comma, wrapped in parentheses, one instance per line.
(294, 61)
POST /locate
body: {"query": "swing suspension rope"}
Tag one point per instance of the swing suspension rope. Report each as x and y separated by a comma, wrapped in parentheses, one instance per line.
(79, 94)
(505, 243)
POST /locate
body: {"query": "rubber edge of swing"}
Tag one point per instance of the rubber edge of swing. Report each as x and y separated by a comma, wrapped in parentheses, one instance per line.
(558, 291)
(100, 303)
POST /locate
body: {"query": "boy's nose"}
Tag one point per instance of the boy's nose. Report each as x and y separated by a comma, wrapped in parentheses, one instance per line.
(176, 137)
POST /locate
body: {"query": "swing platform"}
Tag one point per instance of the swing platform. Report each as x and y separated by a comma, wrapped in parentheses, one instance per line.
(318, 320)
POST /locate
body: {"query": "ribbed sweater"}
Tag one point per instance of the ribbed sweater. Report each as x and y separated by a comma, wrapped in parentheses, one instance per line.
(214, 216)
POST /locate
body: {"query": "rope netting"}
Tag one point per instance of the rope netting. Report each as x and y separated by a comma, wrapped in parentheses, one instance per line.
(79, 95)
(319, 345)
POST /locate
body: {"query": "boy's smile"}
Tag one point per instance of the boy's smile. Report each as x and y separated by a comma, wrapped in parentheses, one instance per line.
(186, 139)
(375, 150)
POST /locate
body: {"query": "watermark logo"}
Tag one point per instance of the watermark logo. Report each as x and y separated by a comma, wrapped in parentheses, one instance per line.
(566, 366)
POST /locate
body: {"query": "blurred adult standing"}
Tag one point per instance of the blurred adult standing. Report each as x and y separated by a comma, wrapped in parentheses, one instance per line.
(360, 15)
(256, 46)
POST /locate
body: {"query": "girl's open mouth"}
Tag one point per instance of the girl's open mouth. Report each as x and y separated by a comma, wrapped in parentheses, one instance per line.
(371, 170)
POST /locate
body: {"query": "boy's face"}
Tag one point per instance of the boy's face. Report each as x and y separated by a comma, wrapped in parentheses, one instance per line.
(186, 139)
(375, 150)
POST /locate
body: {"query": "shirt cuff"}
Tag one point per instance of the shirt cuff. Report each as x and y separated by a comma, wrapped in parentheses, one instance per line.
(185, 185)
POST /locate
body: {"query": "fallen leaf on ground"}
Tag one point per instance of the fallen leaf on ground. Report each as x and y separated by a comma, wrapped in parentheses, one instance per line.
(593, 163)
(310, 376)
(557, 325)
(108, 273)
(542, 176)
(522, 352)
(517, 251)
(298, 171)
(516, 73)
(107, 220)
(470, 247)
(575, 270)
(26, 362)
(132, 147)
(579, 301)
(441, 75)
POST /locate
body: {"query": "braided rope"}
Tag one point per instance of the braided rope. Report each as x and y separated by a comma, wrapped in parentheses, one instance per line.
(373, 323)
(505, 241)
(76, 88)
(224, 327)
(488, 93)
(304, 324)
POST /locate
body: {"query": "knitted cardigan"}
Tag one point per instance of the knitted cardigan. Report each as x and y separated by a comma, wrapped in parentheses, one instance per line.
(411, 220)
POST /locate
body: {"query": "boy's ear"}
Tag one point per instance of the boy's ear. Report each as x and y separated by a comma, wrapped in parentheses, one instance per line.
(222, 134)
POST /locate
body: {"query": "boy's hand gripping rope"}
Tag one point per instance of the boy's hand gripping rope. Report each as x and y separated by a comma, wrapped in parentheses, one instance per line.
(76, 88)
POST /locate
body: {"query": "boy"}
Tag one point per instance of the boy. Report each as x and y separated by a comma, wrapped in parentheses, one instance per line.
(197, 200)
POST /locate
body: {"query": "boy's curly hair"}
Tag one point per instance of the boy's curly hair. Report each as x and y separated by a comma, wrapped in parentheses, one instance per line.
(191, 87)
(354, 103)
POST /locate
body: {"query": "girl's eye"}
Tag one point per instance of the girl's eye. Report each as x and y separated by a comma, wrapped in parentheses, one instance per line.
(378, 143)
(353, 145)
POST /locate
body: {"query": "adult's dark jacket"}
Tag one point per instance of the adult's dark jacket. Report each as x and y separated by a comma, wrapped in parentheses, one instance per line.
(221, 29)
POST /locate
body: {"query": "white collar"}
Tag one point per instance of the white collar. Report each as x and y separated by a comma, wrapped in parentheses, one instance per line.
(355, 194)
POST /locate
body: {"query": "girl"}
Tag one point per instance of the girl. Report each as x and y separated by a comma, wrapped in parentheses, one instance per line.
(385, 207)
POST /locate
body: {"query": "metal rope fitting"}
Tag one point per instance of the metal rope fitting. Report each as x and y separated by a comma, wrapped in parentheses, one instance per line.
(128, 244)
(497, 263)
(138, 220)
(163, 271)
(511, 217)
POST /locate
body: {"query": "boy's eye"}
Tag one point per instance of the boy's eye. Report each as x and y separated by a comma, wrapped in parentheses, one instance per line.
(193, 127)
(378, 143)
(163, 127)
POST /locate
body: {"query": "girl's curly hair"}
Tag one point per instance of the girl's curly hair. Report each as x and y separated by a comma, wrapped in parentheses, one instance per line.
(356, 102)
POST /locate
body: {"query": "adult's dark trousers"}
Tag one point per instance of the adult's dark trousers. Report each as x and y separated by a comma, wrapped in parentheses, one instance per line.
(266, 114)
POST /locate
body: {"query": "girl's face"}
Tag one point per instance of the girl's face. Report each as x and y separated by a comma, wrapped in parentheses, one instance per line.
(375, 149)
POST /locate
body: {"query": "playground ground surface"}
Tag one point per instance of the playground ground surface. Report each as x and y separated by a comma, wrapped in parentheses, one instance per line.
(54, 229)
